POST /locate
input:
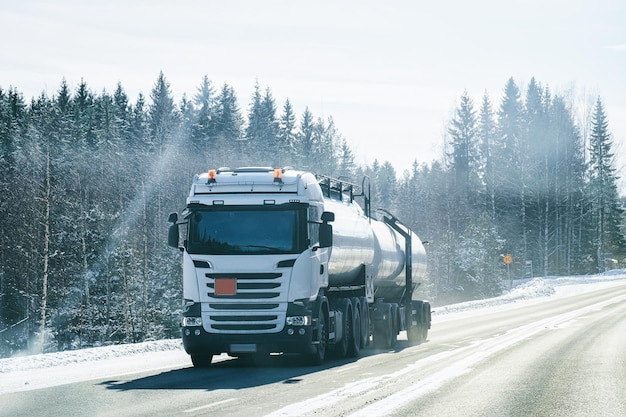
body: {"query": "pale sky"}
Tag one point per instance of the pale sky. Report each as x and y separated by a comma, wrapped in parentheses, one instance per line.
(389, 73)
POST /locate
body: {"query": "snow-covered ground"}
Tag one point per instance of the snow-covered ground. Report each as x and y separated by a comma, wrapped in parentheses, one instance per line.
(39, 371)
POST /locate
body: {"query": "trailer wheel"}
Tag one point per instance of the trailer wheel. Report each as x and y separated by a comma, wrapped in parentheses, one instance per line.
(201, 360)
(341, 348)
(417, 333)
(413, 333)
(426, 323)
(383, 328)
(365, 323)
(354, 338)
(395, 321)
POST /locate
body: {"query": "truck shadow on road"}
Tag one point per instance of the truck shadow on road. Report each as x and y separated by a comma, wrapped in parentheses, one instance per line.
(238, 373)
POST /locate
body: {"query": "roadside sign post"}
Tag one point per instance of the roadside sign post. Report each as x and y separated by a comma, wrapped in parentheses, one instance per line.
(508, 260)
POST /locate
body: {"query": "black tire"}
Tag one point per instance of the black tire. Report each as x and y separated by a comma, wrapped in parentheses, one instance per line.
(383, 329)
(318, 357)
(354, 342)
(201, 360)
(341, 348)
(415, 334)
(395, 325)
(426, 323)
(365, 323)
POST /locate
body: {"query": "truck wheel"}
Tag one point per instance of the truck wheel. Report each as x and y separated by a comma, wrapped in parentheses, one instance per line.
(201, 360)
(354, 342)
(383, 328)
(426, 323)
(414, 333)
(365, 323)
(317, 358)
(382, 336)
(341, 348)
(395, 321)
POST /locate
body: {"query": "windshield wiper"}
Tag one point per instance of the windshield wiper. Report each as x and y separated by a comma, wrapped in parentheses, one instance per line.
(269, 248)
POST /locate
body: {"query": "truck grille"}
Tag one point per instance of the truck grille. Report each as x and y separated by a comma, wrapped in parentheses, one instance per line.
(262, 296)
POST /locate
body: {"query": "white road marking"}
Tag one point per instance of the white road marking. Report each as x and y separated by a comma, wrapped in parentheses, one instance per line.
(347, 368)
(204, 407)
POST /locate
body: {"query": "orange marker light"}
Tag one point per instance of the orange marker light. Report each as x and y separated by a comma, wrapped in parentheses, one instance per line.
(278, 175)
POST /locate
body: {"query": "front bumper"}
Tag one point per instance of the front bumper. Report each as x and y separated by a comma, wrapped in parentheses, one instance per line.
(292, 339)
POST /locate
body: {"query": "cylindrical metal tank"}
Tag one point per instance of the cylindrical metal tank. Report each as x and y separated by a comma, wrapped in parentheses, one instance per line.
(358, 240)
(353, 242)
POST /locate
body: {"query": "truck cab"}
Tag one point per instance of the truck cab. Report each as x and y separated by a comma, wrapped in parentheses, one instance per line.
(255, 247)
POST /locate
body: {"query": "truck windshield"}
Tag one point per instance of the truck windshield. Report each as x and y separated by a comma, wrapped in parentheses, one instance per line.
(247, 231)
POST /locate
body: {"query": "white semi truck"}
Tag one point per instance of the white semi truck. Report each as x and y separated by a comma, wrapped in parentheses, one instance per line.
(279, 260)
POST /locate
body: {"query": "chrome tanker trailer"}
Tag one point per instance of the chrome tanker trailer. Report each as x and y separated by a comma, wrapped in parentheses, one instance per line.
(279, 260)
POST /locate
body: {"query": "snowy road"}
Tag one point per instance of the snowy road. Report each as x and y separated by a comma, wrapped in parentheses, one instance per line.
(562, 355)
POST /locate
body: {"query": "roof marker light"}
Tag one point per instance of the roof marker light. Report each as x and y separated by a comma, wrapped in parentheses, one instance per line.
(212, 176)
(278, 175)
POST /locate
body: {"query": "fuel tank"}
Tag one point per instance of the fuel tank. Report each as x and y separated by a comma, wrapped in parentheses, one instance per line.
(359, 240)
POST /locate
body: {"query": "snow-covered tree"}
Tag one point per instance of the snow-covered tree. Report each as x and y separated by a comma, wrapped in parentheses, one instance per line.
(607, 213)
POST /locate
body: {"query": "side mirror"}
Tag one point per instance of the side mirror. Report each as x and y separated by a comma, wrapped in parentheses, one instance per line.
(172, 234)
(326, 230)
(326, 235)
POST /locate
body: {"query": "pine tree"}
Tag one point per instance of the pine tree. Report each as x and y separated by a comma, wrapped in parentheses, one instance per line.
(187, 144)
(203, 130)
(464, 148)
(15, 208)
(262, 128)
(473, 240)
(569, 215)
(304, 141)
(83, 113)
(607, 213)
(162, 114)
(286, 136)
(463, 161)
(325, 140)
(347, 165)
(270, 129)
(509, 171)
(158, 193)
(537, 160)
(386, 183)
(486, 136)
(229, 123)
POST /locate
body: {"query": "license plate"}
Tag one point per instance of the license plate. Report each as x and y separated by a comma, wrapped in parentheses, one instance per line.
(243, 348)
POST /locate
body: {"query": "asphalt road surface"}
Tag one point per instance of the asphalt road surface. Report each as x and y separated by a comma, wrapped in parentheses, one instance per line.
(550, 357)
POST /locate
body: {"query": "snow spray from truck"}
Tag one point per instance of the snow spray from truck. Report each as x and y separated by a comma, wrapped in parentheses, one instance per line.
(284, 261)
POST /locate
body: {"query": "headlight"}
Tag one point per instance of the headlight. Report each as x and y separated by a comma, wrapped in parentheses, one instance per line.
(298, 321)
(192, 321)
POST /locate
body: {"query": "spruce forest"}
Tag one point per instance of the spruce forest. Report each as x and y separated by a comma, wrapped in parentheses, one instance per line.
(87, 181)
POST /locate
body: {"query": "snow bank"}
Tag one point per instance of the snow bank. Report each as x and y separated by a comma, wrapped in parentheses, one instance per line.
(70, 357)
(537, 288)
